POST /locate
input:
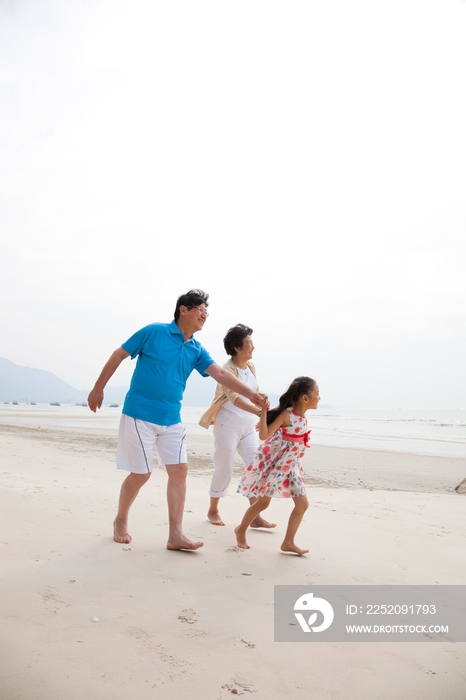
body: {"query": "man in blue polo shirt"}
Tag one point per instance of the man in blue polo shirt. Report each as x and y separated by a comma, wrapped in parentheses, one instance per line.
(167, 354)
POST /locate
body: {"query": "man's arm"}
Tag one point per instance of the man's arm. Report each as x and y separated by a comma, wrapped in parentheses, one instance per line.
(96, 396)
(222, 376)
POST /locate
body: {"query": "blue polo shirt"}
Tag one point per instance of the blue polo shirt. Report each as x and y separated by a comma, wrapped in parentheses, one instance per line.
(164, 364)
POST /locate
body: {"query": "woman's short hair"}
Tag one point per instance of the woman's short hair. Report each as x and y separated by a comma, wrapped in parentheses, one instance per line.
(235, 338)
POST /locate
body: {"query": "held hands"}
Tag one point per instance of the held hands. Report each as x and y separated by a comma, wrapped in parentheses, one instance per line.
(261, 401)
(265, 403)
(256, 399)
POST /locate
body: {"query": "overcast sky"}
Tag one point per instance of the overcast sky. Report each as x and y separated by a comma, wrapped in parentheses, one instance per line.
(303, 162)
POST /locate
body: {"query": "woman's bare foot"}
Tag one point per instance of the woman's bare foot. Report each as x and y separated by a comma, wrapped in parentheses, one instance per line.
(260, 522)
(291, 547)
(241, 539)
(183, 543)
(214, 517)
(120, 533)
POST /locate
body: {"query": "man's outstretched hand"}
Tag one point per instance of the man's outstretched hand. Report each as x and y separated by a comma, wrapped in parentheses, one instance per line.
(95, 399)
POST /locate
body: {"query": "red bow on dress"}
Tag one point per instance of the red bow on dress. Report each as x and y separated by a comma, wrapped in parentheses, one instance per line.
(292, 437)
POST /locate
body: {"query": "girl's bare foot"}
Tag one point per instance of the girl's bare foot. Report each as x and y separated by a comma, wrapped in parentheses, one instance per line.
(291, 547)
(214, 517)
(183, 543)
(260, 522)
(241, 539)
(120, 533)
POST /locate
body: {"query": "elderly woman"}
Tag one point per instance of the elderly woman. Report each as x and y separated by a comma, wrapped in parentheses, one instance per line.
(234, 419)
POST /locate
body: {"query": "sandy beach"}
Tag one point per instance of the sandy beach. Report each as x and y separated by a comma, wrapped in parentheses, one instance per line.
(200, 624)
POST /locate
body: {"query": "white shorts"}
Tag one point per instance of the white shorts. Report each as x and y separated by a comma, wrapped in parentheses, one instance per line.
(137, 440)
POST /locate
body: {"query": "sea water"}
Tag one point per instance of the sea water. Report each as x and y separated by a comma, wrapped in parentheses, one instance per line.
(423, 432)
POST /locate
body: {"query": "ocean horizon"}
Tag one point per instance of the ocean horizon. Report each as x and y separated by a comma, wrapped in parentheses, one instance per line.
(428, 432)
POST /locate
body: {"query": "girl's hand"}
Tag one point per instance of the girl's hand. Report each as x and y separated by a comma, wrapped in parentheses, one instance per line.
(265, 403)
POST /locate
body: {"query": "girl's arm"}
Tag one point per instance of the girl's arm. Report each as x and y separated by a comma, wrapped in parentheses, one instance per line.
(281, 421)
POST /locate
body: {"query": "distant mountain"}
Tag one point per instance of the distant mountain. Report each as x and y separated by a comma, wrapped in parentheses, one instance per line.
(23, 384)
(19, 383)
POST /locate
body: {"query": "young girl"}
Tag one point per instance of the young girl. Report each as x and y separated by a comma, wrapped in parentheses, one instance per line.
(277, 470)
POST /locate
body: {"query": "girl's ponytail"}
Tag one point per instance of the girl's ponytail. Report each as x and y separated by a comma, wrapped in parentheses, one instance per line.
(298, 387)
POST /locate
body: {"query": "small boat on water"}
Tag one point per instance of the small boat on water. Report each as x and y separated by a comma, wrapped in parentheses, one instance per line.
(114, 405)
(80, 404)
(15, 403)
(55, 403)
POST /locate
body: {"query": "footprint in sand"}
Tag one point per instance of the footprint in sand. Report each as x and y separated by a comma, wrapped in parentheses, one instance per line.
(240, 685)
(189, 616)
(151, 646)
(52, 601)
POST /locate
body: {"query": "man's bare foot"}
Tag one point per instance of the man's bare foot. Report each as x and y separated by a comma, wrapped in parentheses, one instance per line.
(120, 533)
(183, 543)
(291, 547)
(260, 522)
(215, 518)
(241, 539)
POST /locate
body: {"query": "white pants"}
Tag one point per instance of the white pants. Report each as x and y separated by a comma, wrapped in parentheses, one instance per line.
(232, 434)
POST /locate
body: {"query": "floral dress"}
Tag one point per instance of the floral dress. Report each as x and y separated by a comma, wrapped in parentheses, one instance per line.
(277, 469)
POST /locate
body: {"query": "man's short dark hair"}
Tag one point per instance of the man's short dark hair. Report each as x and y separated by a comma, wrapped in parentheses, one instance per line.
(235, 338)
(195, 297)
